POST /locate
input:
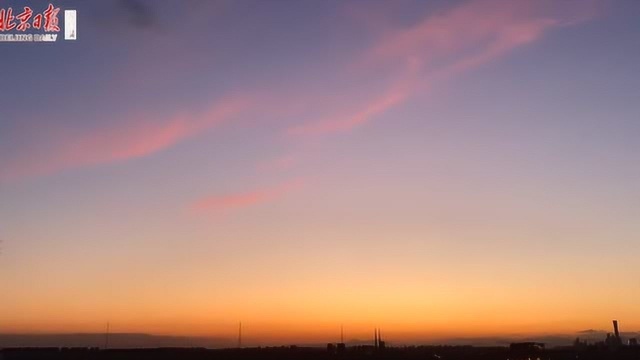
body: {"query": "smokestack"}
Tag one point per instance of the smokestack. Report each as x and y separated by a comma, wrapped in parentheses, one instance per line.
(106, 337)
(615, 329)
(375, 338)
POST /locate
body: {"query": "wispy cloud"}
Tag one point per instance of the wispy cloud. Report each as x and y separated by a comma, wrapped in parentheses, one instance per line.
(350, 121)
(136, 138)
(223, 202)
(396, 94)
(429, 52)
(443, 45)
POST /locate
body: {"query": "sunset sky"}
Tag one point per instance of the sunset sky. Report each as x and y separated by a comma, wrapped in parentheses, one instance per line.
(434, 168)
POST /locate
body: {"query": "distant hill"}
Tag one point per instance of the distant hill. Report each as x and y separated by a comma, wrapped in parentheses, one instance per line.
(116, 340)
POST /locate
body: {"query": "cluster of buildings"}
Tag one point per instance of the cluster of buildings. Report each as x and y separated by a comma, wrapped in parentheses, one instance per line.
(612, 341)
(341, 347)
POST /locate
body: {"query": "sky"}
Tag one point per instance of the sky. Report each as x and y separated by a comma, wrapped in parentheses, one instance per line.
(433, 168)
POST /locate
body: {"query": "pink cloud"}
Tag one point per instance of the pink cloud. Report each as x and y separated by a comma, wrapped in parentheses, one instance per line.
(443, 45)
(349, 121)
(436, 48)
(395, 95)
(473, 24)
(253, 197)
(136, 138)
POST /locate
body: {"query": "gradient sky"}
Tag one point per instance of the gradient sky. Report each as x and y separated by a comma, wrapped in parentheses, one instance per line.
(434, 168)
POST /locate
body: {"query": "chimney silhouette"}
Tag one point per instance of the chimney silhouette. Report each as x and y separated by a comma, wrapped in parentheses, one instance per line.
(106, 337)
(381, 343)
(615, 329)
